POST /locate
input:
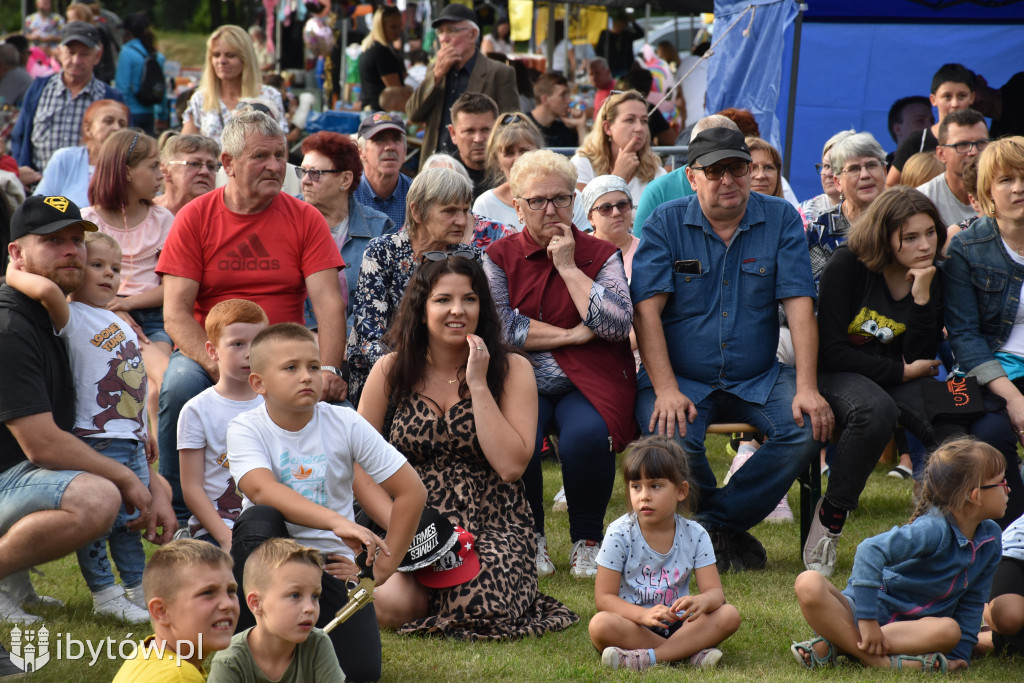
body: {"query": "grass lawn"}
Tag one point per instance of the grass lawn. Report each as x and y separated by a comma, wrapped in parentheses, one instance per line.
(187, 48)
(759, 651)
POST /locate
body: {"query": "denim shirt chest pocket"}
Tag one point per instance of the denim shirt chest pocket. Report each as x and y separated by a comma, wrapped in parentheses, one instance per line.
(691, 297)
(757, 283)
(990, 284)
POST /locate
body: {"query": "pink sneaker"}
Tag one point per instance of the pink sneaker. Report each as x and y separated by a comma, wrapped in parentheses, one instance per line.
(742, 456)
(617, 658)
(782, 514)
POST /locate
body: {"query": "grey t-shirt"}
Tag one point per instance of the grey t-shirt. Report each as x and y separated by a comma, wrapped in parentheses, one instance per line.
(314, 660)
(648, 577)
(951, 210)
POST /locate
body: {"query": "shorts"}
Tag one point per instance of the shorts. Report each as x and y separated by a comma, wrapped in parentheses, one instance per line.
(1009, 578)
(151, 320)
(27, 488)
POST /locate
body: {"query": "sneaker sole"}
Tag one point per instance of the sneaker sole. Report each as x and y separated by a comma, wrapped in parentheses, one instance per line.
(710, 660)
(560, 506)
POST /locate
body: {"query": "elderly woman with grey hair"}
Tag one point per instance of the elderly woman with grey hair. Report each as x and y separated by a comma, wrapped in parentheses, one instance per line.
(858, 163)
(437, 222)
(189, 164)
(563, 298)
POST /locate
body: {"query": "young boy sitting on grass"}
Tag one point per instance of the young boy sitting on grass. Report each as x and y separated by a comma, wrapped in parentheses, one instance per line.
(193, 606)
(282, 589)
(206, 481)
(294, 460)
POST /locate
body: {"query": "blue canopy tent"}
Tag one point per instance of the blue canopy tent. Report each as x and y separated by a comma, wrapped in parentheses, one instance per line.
(855, 58)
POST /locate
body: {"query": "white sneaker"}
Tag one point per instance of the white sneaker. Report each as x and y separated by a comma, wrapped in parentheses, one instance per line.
(742, 456)
(545, 567)
(182, 532)
(705, 659)
(583, 562)
(19, 586)
(135, 596)
(112, 601)
(782, 514)
(560, 505)
(11, 611)
(820, 550)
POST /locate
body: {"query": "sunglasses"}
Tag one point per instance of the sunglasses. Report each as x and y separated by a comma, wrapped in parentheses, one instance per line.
(624, 206)
(443, 255)
(313, 174)
(736, 169)
(511, 118)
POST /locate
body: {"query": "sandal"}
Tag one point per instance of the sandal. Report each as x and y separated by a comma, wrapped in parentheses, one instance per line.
(927, 662)
(815, 662)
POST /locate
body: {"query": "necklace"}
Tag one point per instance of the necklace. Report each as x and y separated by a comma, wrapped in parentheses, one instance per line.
(1019, 250)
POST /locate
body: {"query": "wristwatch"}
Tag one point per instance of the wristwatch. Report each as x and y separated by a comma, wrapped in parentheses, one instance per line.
(342, 372)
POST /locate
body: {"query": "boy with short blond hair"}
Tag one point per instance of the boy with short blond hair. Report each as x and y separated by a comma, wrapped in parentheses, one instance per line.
(193, 605)
(294, 460)
(282, 588)
(206, 481)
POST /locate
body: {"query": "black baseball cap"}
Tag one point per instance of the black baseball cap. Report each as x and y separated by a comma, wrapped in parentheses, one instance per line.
(40, 215)
(84, 33)
(454, 13)
(715, 144)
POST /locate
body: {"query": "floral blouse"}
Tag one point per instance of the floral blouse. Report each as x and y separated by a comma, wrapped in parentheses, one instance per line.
(211, 123)
(387, 267)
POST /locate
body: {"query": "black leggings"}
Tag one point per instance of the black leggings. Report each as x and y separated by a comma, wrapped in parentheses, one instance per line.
(356, 642)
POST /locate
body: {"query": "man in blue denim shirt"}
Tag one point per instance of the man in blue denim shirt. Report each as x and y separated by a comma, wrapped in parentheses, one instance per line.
(707, 277)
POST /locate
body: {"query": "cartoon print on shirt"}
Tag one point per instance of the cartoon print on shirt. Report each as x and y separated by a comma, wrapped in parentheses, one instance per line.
(122, 392)
(868, 325)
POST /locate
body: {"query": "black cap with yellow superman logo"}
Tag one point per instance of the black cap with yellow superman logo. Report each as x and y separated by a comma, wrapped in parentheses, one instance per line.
(44, 215)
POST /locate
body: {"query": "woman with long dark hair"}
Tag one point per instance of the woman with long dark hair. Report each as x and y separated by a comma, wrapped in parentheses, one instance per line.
(461, 406)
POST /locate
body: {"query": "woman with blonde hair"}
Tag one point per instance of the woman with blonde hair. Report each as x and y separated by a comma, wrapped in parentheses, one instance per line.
(620, 144)
(380, 66)
(231, 73)
(765, 167)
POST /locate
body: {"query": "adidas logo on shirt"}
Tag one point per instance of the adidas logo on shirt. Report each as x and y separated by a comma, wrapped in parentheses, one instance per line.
(249, 254)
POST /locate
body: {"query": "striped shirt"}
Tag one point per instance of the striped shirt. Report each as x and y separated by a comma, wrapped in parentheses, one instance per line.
(58, 120)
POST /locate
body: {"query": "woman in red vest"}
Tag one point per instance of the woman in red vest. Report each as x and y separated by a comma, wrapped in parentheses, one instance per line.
(562, 297)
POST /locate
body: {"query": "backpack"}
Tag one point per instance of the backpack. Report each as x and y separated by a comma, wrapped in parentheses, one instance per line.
(153, 87)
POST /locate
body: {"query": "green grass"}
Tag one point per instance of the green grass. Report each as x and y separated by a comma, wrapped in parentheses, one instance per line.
(759, 651)
(187, 48)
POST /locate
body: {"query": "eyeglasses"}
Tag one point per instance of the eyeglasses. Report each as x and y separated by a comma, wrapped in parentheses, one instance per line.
(965, 147)
(823, 168)
(512, 118)
(736, 169)
(870, 167)
(1003, 484)
(623, 206)
(442, 255)
(451, 30)
(196, 166)
(313, 174)
(562, 201)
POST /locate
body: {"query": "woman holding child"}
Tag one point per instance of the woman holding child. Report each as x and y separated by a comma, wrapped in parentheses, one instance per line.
(464, 415)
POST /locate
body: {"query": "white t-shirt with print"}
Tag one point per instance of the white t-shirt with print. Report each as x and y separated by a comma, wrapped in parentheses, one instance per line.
(315, 461)
(651, 578)
(203, 423)
(110, 379)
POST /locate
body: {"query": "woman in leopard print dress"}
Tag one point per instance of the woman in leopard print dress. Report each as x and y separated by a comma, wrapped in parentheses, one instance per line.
(469, 448)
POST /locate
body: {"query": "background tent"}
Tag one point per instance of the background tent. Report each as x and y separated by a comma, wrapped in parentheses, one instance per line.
(856, 57)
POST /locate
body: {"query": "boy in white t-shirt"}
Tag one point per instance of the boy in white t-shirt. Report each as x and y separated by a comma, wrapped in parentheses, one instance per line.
(294, 461)
(110, 409)
(206, 481)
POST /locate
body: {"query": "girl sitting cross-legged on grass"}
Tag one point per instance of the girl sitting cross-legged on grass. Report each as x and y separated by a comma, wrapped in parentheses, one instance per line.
(645, 612)
(917, 591)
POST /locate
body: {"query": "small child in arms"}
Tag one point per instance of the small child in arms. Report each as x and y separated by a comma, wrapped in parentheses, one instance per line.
(282, 589)
(645, 612)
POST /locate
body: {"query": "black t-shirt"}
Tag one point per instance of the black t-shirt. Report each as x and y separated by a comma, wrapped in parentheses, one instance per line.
(35, 374)
(557, 134)
(912, 145)
(657, 124)
(1012, 121)
(377, 62)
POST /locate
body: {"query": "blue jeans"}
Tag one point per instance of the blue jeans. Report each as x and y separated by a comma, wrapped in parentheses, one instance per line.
(183, 380)
(151, 320)
(125, 546)
(755, 489)
(865, 419)
(27, 488)
(588, 464)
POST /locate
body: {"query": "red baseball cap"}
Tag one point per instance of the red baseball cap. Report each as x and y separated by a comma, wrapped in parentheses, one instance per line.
(458, 565)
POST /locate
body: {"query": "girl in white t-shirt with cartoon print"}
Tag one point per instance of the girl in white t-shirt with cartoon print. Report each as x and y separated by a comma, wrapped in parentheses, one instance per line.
(645, 612)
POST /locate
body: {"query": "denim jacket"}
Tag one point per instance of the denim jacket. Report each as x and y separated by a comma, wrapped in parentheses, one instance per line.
(982, 287)
(927, 568)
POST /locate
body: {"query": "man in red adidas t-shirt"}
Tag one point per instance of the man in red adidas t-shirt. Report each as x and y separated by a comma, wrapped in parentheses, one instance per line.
(247, 240)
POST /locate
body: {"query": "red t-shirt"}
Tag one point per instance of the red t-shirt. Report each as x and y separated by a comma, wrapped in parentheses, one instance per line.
(264, 257)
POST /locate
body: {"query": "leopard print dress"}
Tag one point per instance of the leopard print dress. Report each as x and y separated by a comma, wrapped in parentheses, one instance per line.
(502, 602)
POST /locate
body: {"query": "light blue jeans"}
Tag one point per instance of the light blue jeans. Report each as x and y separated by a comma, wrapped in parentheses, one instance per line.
(125, 546)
